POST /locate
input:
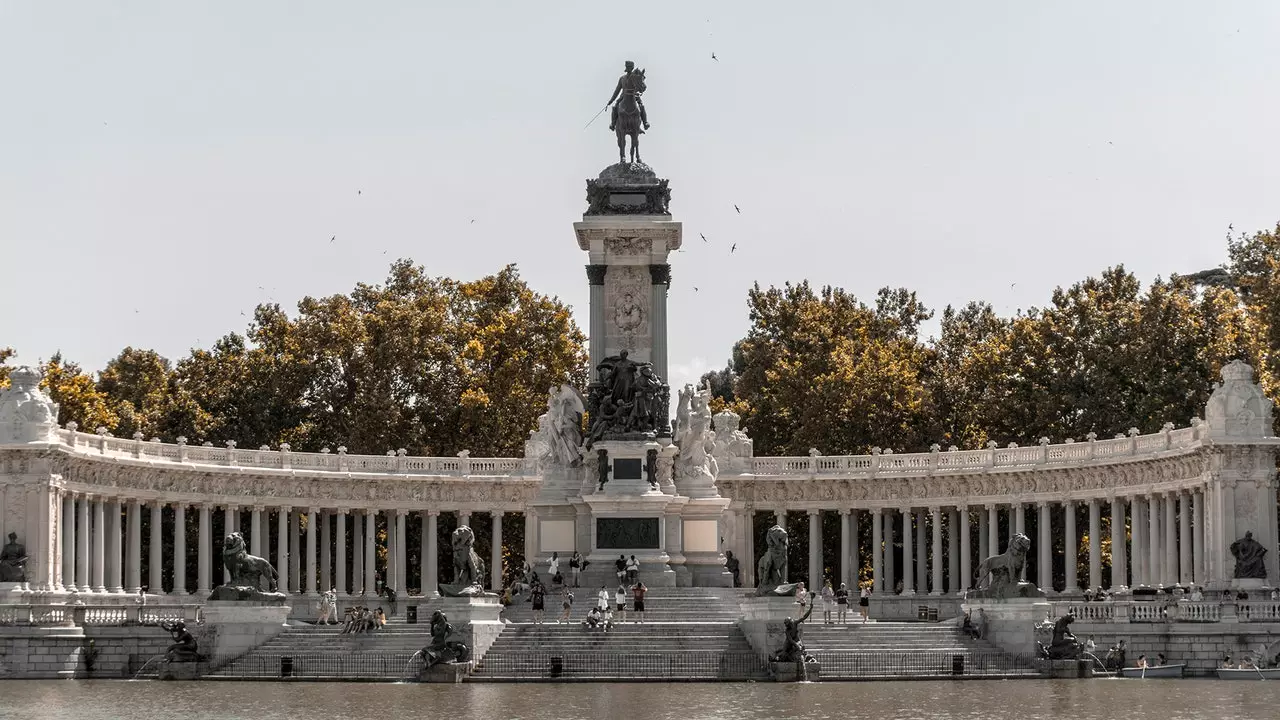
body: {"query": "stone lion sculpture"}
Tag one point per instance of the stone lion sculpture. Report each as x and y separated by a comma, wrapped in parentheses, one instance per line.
(998, 575)
(246, 570)
(468, 568)
(772, 568)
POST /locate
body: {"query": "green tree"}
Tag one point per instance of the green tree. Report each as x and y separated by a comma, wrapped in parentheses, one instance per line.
(77, 397)
(5, 354)
(143, 391)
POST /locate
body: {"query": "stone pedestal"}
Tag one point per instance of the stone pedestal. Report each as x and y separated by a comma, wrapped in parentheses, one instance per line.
(1010, 624)
(476, 621)
(1066, 669)
(1257, 588)
(12, 593)
(446, 673)
(624, 521)
(179, 671)
(762, 619)
(238, 627)
(795, 672)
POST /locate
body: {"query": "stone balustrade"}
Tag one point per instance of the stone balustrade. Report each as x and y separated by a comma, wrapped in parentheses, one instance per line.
(97, 615)
(1170, 611)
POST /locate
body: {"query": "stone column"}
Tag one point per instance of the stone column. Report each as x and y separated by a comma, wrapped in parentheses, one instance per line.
(326, 551)
(966, 563)
(99, 545)
(115, 574)
(1119, 561)
(1155, 575)
(255, 531)
(357, 552)
(993, 531)
(814, 578)
(135, 547)
(922, 554)
(1197, 540)
(660, 275)
(596, 330)
(180, 550)
(229, 513)
(844, 546)
(83, 583)
(69, 555)
(1184, 539)
(402, 550)
(890, 558)
(155, 553)
(282, 547)
(908, 554)
(1044, 567)
(393, 555)
(464, 518)
(1170, 527)
(1137, 540)
(204, 571)
(311, 552)
(370, 558)
(1095, 546)
(1072, 547)
(953, 551)
(431, 578)
(983, 539)
(495, 553)
(935, 514)
(877, 550)
(295, 552)
(341, 552)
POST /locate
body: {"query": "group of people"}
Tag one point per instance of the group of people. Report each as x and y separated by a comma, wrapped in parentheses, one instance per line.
(835, 602)
(363, 619)
(627, 569)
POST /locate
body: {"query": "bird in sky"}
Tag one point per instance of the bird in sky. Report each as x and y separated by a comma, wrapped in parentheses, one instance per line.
(695, 289)
(332, 238)
(713, 57)
(704, 237)
(1231, 226)
(734, 247)
(735, 207)
(473, 221)
(358, 192)
(1012, 285)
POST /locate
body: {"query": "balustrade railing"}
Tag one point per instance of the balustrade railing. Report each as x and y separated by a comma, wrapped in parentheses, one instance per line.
(97, 615)
(1170, 611)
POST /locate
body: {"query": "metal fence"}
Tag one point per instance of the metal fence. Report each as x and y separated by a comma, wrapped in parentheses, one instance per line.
(586, 665)
(330, 666)
(923, 664)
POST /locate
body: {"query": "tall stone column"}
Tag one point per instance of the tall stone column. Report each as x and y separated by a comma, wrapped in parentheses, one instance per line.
(155, 553)
(746, 547)
(402, 553)
(877, 549)
(814, 577)
(83, 537)
(229, 515)
(1155, 575)
(1197, 541)
(922, 555)
(1072, 547)
(660, 276)
(1137, 540)
(326, 551)
(295, 552)
(1044, 567)
(115, 573)
(993, 532)
(966, 561)
(425, 582)
(204, 579)
(983, 548)
(1095, 546)
(135, 547)
(341, 551)
(357, 552)
(464, 518)
(99, 545)
(844, 546)
(935, 513)
(311, 552)
(908, 554)
(1119, 561)
(431, 581)
(282, 547)
(69, 554)
(855, 550)
(1184, 539)
(1170, 527)
(953, 551)
(596, 331)
(393, 553)
(891, 557)
(370, 545)
(180, 550)
(1018, 523)
(495, 552)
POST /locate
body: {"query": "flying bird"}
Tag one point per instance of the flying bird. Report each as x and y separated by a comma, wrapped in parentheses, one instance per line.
(1012, 285)
(332, 238)
(695, 289)
(735, 207)
(358, 192)
(704, 237)
(1231, 226)
(473, 221)
(713, 57)
(735, 247)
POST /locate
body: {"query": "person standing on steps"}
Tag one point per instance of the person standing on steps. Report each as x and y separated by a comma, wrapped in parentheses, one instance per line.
(633, 569)
(602, 598)
(575, 566)
(637, 601)
(620, 597)
(842, 604)
(553, 570)
(620, 566)
(566, 605)
(864, 602)
(828, 602)
(802, 597)
(537, 596)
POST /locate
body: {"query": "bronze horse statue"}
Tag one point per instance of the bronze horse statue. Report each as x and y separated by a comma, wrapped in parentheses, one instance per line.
(629, 118)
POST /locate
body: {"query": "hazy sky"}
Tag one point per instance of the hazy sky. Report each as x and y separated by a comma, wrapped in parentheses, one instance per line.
(165, 166)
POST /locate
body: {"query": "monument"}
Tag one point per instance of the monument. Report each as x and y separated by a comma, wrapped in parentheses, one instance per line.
(999, 575)
(1011, 606)
(247, 610)
(468, 568)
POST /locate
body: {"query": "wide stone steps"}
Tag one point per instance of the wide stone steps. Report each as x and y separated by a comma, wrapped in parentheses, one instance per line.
(881, 650)
(322, 651)
(661, 605)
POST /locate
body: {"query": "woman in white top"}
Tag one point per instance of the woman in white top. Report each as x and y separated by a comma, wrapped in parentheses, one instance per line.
(828, 602)
(633, 570)
(802, 598)
(553, 567)
(620, 597)
(603, 598)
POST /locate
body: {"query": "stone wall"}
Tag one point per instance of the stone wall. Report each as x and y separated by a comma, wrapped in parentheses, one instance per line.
(46, 653)
(1201, 647)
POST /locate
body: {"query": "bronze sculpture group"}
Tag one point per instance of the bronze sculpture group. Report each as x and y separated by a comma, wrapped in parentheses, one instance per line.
(1250, 558)
(629, 117)
(628, 401)
(249, 573)
(442, 649)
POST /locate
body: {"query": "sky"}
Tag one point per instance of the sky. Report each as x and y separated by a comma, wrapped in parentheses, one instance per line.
(164, 167)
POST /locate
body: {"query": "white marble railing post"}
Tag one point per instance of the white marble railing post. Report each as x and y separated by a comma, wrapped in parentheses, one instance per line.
(966, 563)
(431, 578)
(495, 552)
(282, 547)
(908, 554)
(1170, 527)
(311, 552)
(935, 514)
(83, 543)
(326, 551)
(180, 549)
(877, 549)
(341, 551)
(1072, 547)
(370, 558)
(1197, 540)
(1044, 566)
(1095, 546)
(845, 573)
(813, 579)
(69, 545)
(204, 580)
(155, 553)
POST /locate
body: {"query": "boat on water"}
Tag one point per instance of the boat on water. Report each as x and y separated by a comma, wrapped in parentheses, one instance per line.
(1248, 674)
(1154, 671)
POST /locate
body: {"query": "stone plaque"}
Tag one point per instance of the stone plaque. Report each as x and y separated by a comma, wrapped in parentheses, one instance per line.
(629, 200)
(627, 533)
(628, 469)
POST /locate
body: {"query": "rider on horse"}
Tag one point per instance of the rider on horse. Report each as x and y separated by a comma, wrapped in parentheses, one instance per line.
(628, 85)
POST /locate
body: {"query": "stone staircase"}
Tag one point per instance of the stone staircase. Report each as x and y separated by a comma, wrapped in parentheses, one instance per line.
(667, 605)
(879, 650)
(323, 653)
